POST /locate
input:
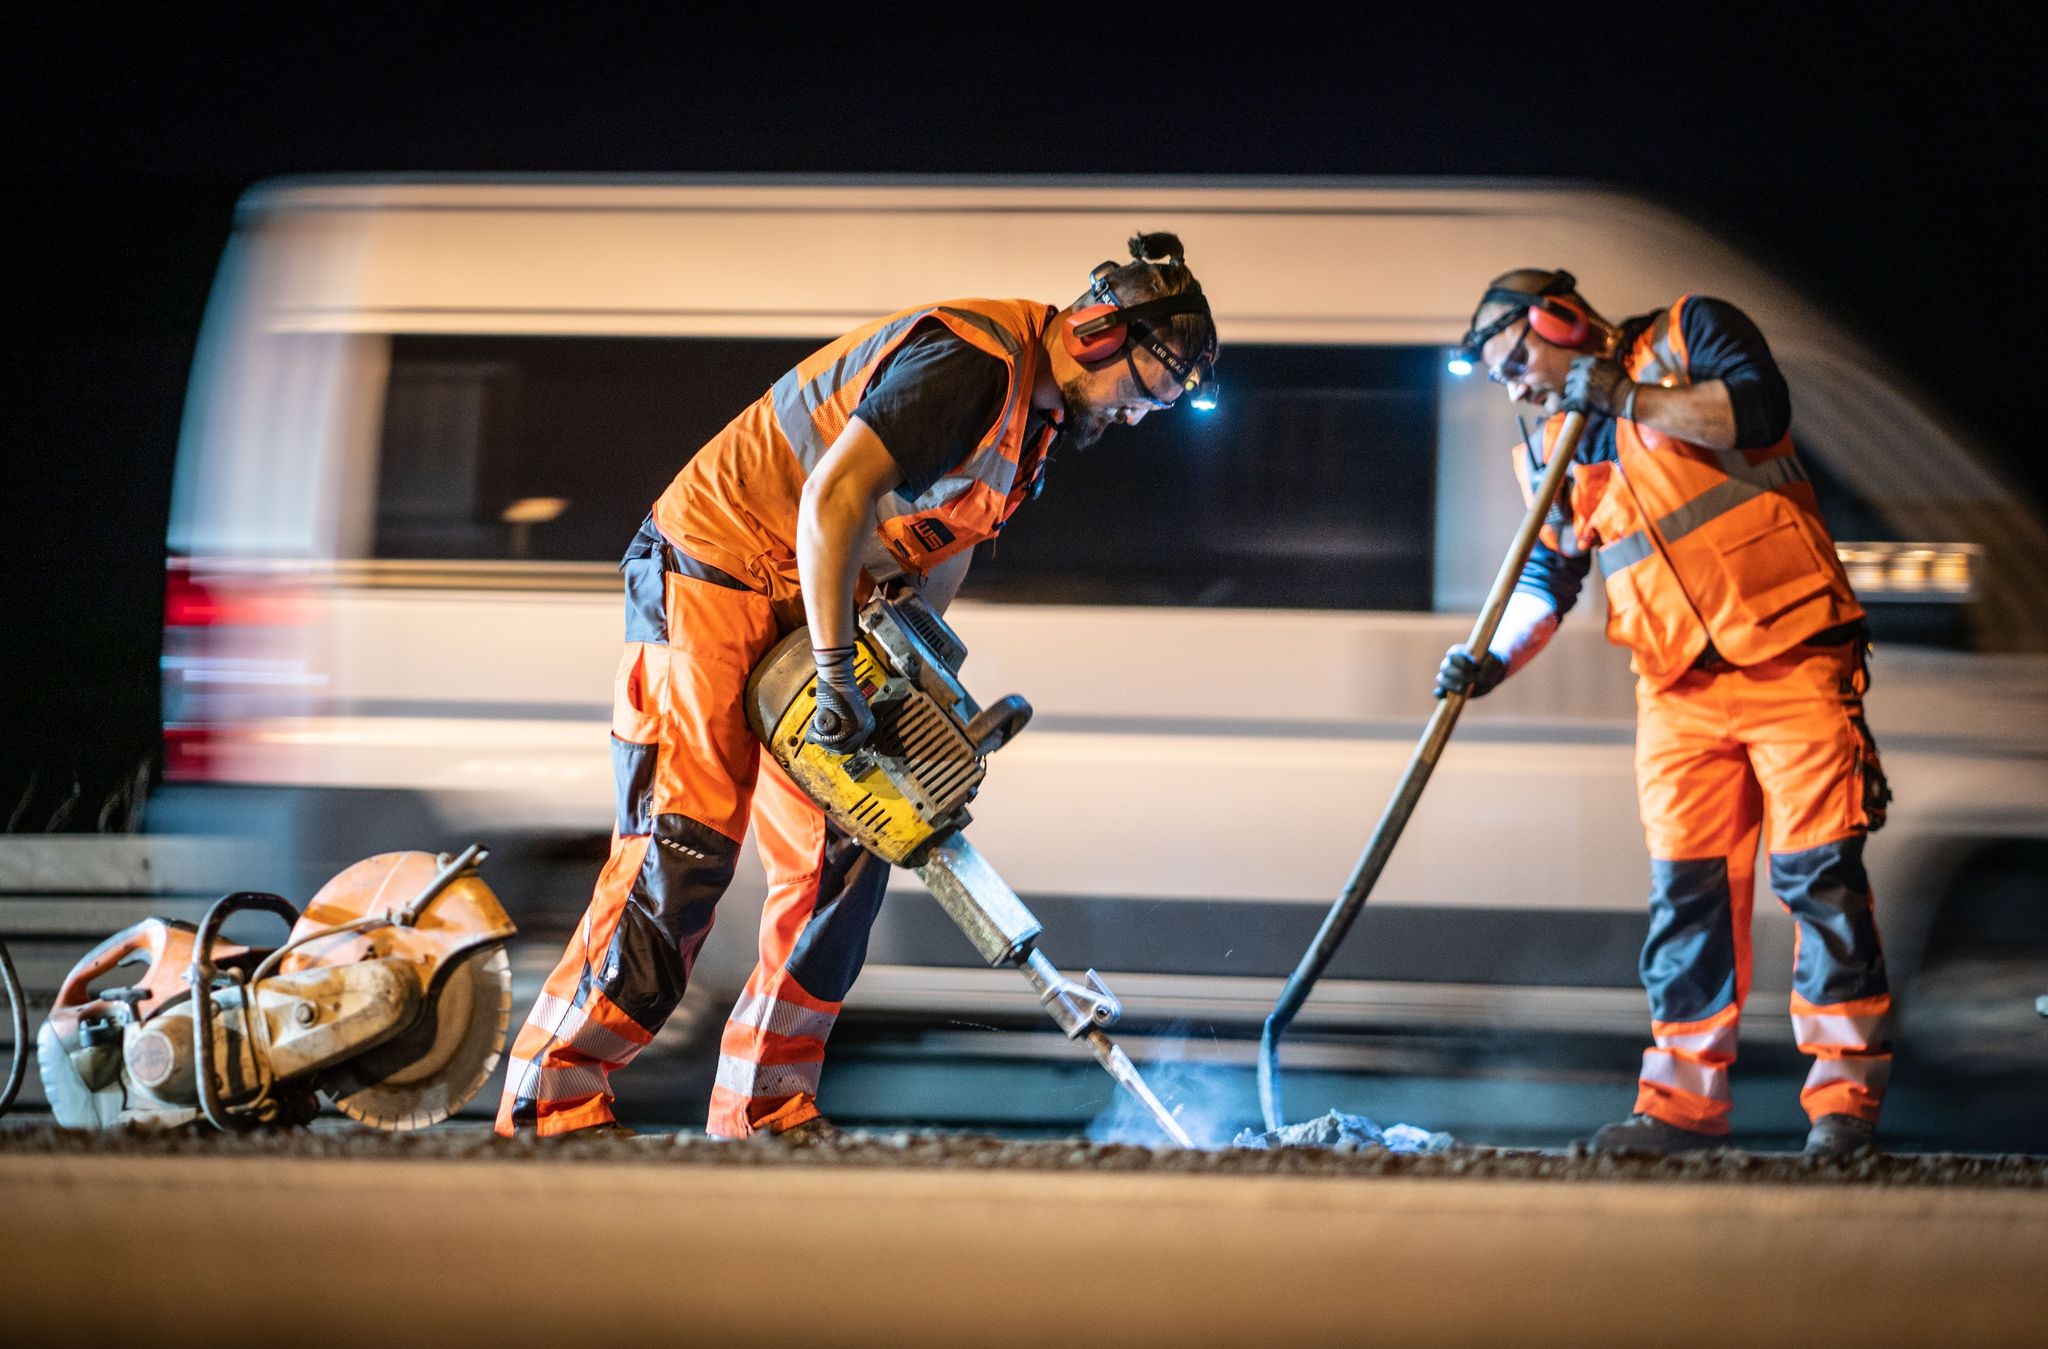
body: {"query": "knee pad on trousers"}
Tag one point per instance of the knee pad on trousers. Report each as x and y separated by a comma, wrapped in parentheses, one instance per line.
(667, 915)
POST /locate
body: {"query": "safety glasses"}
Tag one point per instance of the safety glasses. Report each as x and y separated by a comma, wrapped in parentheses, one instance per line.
(1514, 365)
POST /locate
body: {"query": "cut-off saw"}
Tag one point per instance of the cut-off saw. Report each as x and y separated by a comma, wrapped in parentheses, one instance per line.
(390, 997)
(903, 796)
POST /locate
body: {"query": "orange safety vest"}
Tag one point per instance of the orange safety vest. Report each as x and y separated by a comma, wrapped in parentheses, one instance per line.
(1698, 545)
(734, 505)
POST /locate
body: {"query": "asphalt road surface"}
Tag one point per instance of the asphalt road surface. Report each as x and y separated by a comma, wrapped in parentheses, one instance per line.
(206, 1248)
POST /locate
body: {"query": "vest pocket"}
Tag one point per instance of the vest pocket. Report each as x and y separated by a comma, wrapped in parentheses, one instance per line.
(1772, 570)
(1633, 619)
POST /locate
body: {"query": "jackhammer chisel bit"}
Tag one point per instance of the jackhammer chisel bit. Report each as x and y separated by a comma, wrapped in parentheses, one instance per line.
(1003, 930)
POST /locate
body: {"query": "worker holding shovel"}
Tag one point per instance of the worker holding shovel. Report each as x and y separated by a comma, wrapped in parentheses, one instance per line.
(1748, 648)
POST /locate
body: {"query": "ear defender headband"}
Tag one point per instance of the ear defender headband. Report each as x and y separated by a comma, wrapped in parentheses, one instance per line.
(1099, 332)
(1554, 311)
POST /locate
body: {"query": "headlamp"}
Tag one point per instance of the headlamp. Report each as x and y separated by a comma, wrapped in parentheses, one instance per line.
(1194, 376)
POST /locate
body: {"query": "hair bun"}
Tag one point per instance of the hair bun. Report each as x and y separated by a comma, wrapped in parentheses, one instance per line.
(1160, 247)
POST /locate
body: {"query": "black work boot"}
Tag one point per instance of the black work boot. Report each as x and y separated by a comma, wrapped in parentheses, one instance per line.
(1838, 1137)
(1647, 1133)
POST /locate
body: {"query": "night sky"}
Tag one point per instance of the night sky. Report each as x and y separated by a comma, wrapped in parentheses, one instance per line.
(1885, 159)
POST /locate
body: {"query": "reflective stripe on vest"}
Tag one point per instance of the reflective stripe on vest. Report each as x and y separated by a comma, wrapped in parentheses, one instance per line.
(1747, 481)
(1664, 363)
(810, 412)
(1704, 547)
(798, 401)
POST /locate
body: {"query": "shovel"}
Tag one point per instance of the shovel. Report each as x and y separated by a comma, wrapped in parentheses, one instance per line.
(1435, 735)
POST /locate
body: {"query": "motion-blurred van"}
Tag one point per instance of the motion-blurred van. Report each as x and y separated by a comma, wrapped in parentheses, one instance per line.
(429, 413)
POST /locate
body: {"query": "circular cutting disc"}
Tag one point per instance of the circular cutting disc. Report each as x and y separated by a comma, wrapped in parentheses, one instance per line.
(431, 1071)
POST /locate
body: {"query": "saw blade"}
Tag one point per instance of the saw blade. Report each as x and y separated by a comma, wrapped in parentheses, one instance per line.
(431, 1071)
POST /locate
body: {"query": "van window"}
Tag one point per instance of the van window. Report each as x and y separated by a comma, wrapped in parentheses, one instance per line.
(1311, 486)
(474, 427)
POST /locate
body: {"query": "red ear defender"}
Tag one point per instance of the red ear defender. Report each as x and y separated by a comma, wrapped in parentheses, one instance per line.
(1097, 347)
(1561, 321)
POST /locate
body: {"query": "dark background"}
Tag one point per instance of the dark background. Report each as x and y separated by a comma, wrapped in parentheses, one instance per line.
(1886, 158)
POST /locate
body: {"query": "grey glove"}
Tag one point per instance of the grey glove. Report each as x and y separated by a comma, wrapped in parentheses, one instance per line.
(842, 721)
(1596, 384)
(1474, 678)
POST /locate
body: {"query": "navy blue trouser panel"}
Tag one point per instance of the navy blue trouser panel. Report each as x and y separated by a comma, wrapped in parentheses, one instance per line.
(834, 943)
(1828, 891)
(1688, 961)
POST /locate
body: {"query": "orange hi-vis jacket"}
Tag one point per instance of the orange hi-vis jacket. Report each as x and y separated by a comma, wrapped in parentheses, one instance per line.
(734, 505)
(1698, 545)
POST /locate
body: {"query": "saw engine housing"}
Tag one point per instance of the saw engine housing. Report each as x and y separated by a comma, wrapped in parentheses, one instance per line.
(908, 787)
(391, 995)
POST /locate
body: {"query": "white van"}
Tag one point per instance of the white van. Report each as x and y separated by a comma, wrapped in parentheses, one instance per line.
(429, 413)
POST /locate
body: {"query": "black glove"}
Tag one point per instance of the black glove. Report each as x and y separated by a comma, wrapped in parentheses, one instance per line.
(1596, 384)
(842, 721)
(1474, 678)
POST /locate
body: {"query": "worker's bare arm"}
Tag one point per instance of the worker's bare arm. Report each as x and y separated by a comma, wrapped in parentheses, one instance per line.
(833, 516)
(1702, 414)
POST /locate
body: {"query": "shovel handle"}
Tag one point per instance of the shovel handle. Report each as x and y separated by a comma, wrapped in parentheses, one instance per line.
(1337, 922)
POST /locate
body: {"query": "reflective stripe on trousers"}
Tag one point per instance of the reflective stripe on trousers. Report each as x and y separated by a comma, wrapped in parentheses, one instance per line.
(823, 895)
(688, 775)
(1722, 759)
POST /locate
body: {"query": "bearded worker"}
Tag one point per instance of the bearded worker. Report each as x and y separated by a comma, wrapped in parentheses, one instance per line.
(882, 459)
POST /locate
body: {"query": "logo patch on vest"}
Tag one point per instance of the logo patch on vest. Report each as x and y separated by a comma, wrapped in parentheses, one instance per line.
(933, 534)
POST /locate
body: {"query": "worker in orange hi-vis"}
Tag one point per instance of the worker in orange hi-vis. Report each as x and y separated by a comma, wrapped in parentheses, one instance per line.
(888, 454)
(1749, 651)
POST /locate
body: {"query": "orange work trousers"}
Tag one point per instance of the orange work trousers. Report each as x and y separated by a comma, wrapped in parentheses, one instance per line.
(1779, 747)
(688, 774)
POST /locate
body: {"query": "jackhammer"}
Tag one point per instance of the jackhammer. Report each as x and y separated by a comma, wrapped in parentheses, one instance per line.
(903, 796)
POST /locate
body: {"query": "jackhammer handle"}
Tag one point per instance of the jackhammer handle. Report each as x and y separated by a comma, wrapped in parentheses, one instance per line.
(997, 724)
(1435, 735)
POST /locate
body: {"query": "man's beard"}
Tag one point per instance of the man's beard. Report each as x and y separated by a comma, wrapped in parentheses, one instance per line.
(1083, 425)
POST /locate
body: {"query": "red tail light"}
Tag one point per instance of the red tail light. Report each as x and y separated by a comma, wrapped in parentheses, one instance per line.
(187, 603)
(189, 754)
(253, 600)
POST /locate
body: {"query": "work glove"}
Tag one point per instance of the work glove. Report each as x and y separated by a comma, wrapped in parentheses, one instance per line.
(1596, 384)
(842, 721)
(1474, 678)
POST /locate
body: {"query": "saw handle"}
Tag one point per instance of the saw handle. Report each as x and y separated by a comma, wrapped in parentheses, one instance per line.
(144, 936)
(201, 982)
